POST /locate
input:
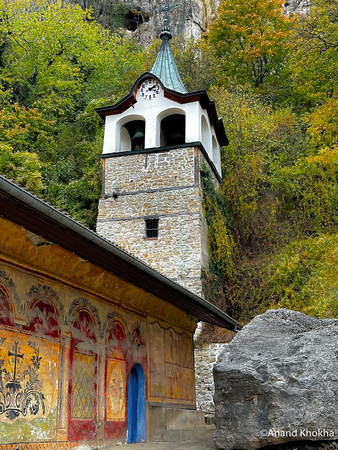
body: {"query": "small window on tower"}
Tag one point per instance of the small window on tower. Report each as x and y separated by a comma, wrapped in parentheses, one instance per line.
(152, 228)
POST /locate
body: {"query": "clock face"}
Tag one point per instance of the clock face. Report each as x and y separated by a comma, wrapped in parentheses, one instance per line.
(150, 89)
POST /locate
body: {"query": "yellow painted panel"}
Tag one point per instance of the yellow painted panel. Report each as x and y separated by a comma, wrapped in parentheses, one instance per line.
(28, 386)
(172, 349)
(187, 384)
(173, 381)
(116, 389)
(83, 386)
(186, 351)
(156, 361)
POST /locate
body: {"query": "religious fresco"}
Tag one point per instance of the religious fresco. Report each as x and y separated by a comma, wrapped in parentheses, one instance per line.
(29, 368)
(83, 378)
(171, 358)
(66, 365)
(116, 390)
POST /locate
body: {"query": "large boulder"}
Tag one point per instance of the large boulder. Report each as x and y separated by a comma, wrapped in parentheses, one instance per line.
(277, 381)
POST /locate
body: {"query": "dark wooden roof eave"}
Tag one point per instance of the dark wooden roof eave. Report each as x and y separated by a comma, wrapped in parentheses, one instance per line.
(33, 214)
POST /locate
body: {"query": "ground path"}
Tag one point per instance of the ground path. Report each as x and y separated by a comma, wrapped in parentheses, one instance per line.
(202, 443)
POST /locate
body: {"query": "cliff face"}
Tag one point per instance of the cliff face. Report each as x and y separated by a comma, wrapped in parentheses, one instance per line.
(144, 18)
(187, 17)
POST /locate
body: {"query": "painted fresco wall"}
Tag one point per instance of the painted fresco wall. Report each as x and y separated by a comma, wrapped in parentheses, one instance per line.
(66, 356)
(170, 359)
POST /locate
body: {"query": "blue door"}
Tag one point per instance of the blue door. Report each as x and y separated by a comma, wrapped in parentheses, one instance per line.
(136, 406)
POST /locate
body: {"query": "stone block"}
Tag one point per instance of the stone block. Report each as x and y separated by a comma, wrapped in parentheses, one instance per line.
(277, 382)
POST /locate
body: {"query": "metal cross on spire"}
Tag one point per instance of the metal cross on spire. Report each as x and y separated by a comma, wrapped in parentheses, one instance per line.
(164, 66)
(166, 10)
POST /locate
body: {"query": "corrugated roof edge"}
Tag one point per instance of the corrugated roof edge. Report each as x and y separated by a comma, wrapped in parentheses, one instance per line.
(31, 200)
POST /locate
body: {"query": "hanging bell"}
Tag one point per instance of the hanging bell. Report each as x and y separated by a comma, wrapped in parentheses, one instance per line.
(176, 137)
(139, 132)
(137, 139)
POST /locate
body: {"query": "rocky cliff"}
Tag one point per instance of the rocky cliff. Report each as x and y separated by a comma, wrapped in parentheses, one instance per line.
(189, 18)
(144, 18)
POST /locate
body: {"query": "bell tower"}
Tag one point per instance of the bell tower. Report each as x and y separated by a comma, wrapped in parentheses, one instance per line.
(156, 141)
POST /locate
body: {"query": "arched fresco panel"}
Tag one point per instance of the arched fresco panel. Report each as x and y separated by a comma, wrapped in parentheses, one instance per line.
(83, 381)
(115, 381)
(44, 319)
(29, 378)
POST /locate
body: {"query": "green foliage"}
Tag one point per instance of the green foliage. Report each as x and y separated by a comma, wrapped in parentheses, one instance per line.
(22, 167)
(219, 238)
(309, 191)
(314, 57)
(305, 277)
(251, 40)
(197, 63)
(261, 141)
(278, 189)
(323, 123)
(76, 61)
(220, 241)
(54, 60)
(300, 276)
(27, 130)
(74, 179)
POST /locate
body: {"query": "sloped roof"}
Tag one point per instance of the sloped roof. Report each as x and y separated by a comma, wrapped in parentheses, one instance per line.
(34, 214)
(165, 67)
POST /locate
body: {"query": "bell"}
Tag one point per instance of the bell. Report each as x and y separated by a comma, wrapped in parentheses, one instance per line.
(137, 140)
(176, 137)
(139, 133)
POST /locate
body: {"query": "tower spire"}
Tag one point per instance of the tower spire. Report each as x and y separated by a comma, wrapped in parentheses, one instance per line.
(165, 28)
(165, 67)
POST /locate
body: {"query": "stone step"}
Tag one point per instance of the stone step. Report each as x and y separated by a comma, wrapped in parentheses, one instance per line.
(187, 434)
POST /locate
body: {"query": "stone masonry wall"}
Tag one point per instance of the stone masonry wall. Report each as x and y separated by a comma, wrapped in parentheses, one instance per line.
(164, 184)
(205, 357)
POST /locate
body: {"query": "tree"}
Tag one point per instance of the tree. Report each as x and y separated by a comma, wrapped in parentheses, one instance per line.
(251, 39)
(56, 62)
(22, 167)
(196, 62)
(61, 59)
(262, 140)
(309, 192)
(314, 58)
(27, 130)
(323, 124)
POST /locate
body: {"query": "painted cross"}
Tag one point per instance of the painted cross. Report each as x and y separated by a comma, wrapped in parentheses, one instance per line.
(16, 356)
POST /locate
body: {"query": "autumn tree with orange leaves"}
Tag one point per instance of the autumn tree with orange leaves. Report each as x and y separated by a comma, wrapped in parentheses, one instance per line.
(251, 40)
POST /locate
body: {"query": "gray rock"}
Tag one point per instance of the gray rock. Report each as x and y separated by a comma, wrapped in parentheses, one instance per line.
(297, 6)
(277, 381)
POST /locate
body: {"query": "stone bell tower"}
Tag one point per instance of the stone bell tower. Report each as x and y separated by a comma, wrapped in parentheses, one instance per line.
(156, 141)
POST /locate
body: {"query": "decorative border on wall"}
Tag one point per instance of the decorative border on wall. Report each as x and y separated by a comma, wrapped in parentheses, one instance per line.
(43, 292)
(83, 303)
(9, 283)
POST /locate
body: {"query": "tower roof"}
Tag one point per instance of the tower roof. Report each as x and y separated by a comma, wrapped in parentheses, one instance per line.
(165, 67)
